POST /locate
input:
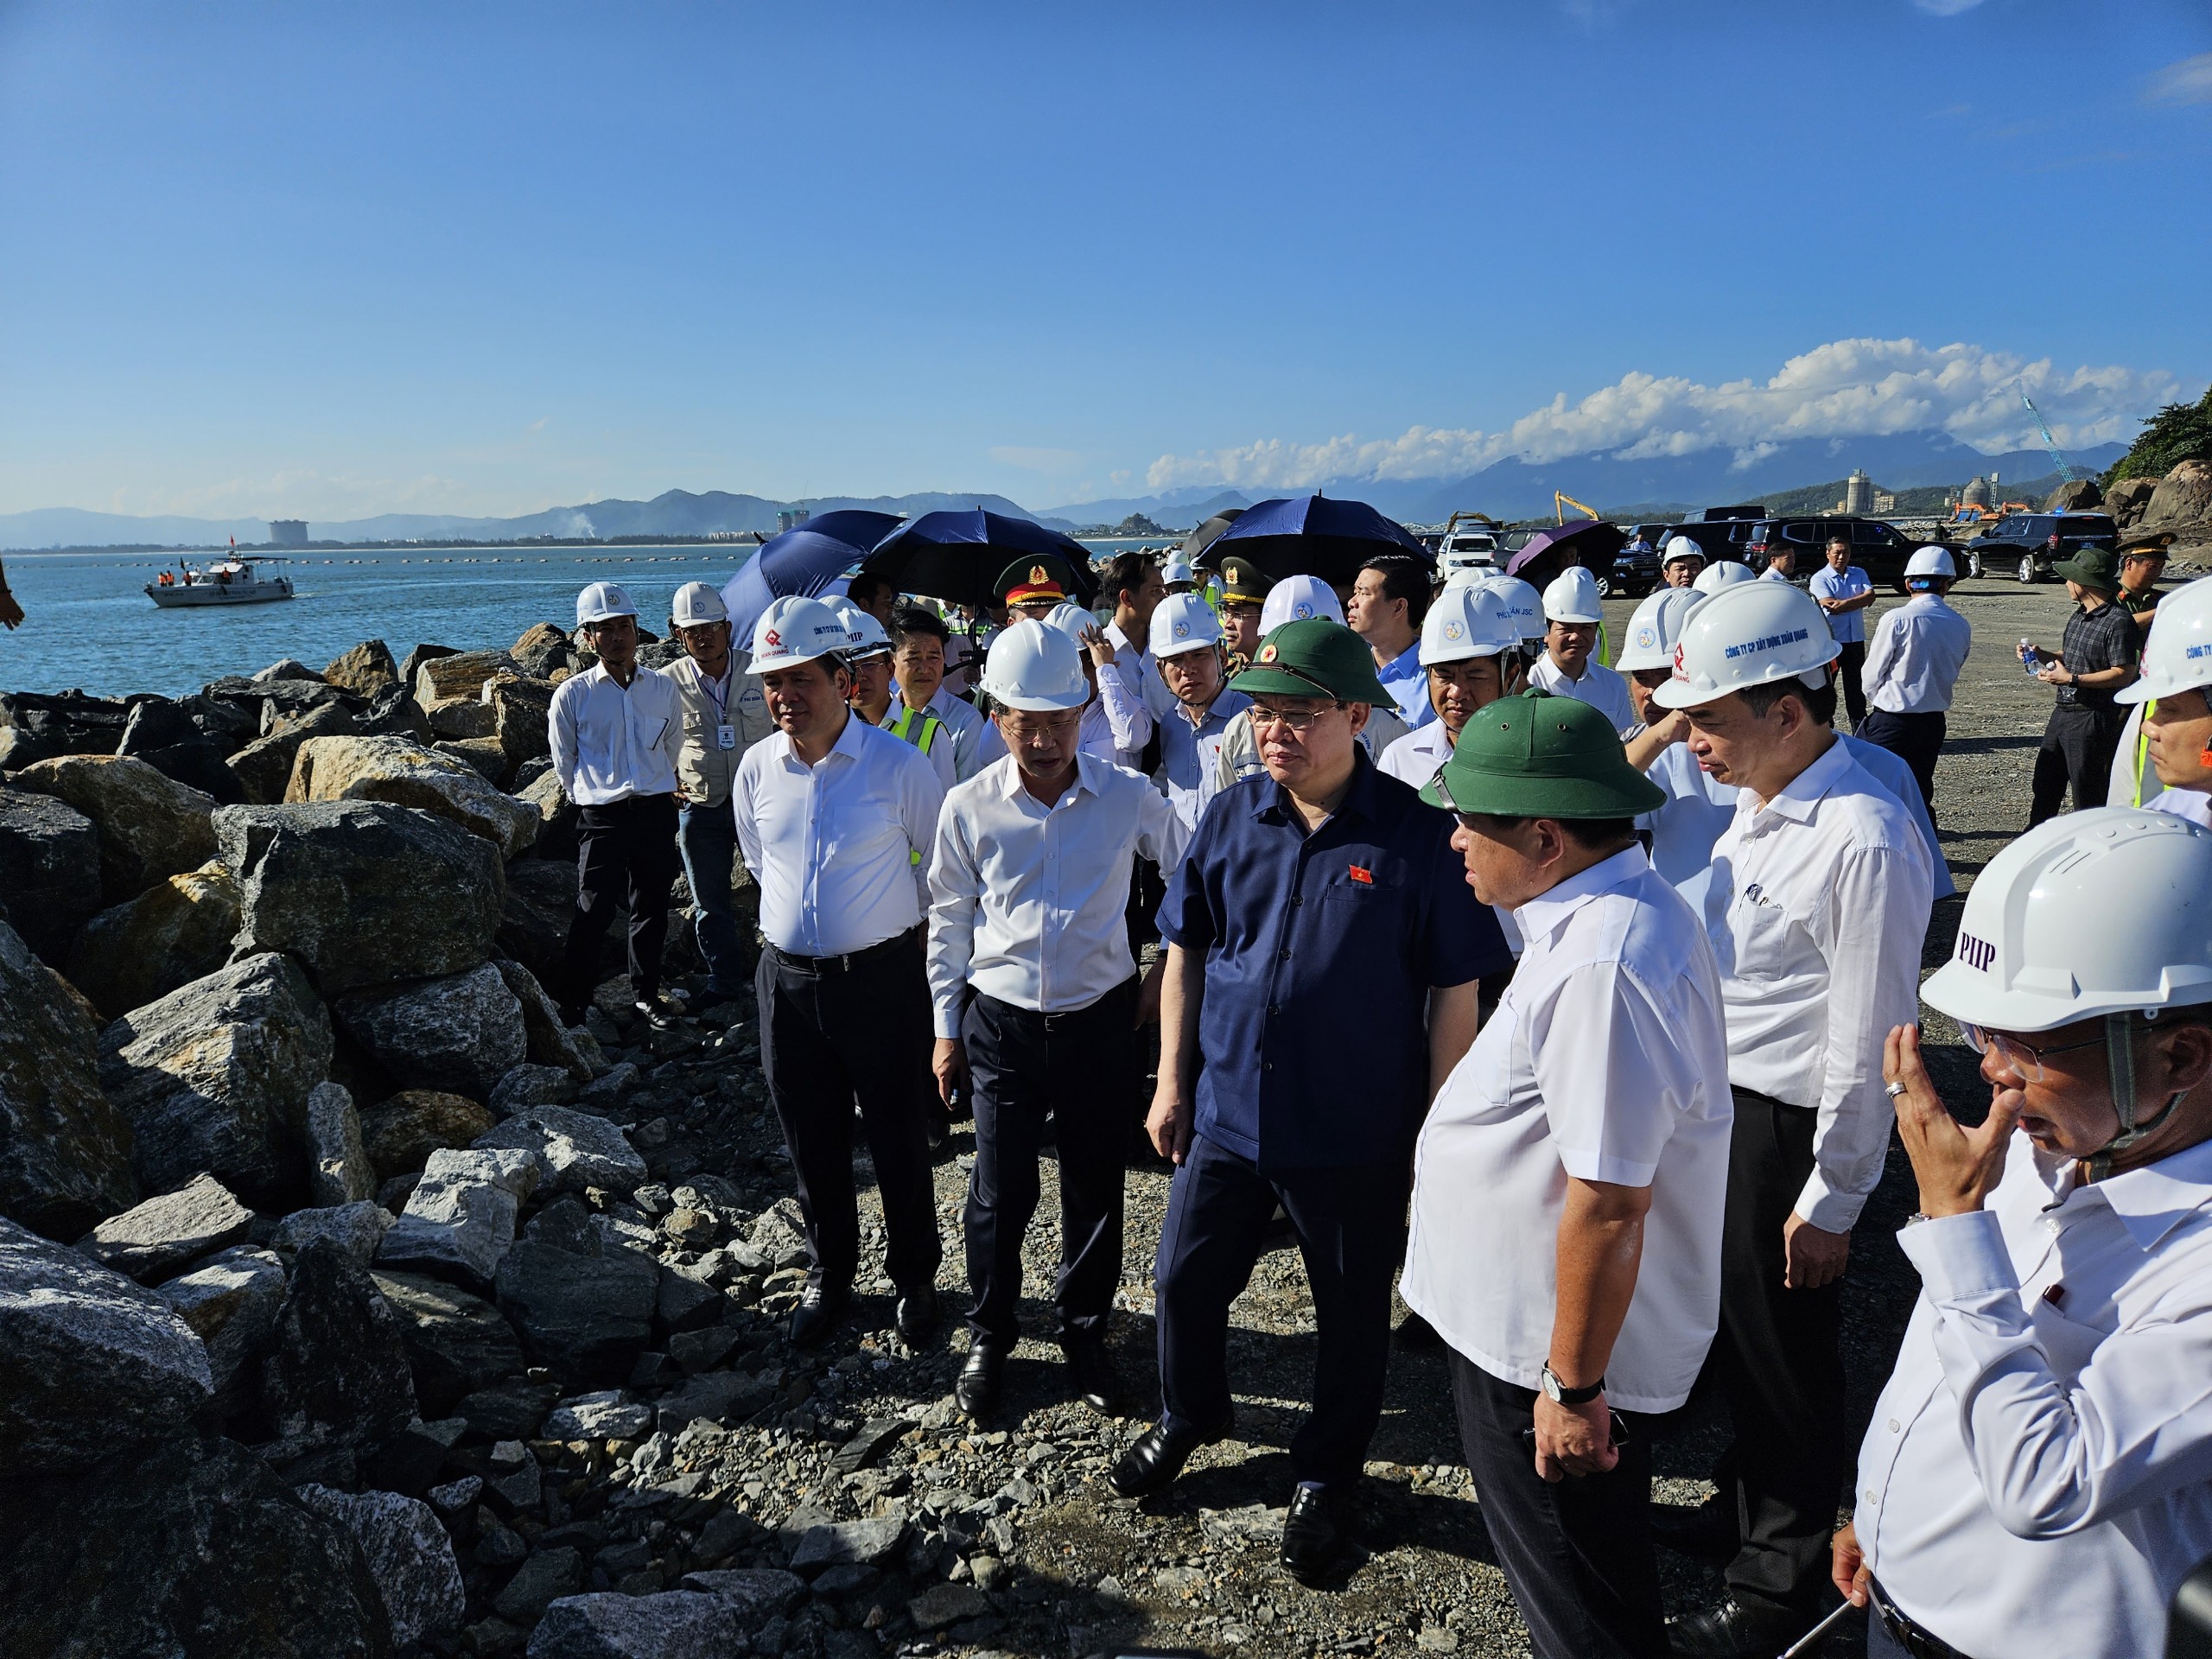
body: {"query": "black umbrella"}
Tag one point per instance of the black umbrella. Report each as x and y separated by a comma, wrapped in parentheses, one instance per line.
(1588, 542)
(1313, 536)
(958, 556)
(1198, 541)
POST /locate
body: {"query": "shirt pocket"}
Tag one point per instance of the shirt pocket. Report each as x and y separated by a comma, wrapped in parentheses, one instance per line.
(1766, 940)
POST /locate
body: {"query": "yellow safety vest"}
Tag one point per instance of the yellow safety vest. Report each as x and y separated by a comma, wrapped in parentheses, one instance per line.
(920, 732)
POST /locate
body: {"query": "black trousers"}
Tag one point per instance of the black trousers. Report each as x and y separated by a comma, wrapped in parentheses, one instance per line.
(1850, 667)
(1778, 1361)
(624, 851)
(832, 1036)
(2077, 749)
(1351, 1230)
(1916, 740)
(1577, 1555)
(1082, 1069)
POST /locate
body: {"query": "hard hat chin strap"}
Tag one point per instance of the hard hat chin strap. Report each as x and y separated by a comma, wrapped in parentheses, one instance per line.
(2119, 1060)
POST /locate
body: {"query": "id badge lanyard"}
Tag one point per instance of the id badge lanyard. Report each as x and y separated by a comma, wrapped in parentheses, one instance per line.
(725, 733)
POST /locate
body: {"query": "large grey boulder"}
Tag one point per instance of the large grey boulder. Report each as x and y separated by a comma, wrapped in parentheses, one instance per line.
(585, 1317)
(463, 1030)
(459, 674)
(409, 1556)
(47, 852)
(263, 769)
(671, 1625)
(215, 1076)
(363, 893)
(356, 1227)
(152, 1241)
(402, 1131)
(177, 931)
(231, 1301)
(194, 1551)
(535, 911)
(338, 1374)
(338, 1168)
(365, 670)
(89, 1360)
(578, 1150)
(868, 1542)
(456, 1343)
(2184, 497)
(550, 1042)
(65, 1150)
(401, 771)
(36, 724)
(150, 826)
(521, 711)
(459, 1220)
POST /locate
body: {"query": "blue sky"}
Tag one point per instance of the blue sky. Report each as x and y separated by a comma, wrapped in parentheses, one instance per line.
(330, 261)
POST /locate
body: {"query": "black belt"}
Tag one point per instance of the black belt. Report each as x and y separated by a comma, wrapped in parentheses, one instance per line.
(822, 966)
(1916, 1640)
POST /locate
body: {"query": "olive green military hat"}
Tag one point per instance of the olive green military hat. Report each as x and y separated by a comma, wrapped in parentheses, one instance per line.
(1538, 756)
(1243, 582)
(1316, 659)
(2094, 568)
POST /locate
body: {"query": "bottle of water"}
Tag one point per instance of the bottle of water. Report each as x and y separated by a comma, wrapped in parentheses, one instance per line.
(2031, 659)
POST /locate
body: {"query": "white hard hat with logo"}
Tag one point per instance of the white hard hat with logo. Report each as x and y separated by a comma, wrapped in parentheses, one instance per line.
(1183, 622)
(1035, 666)
(1469, 620)
(1681, 547)
(1755, 633)
(1298, 599)
(1177, 568)
(2178, 657)
(864, 635)
(795, 630)
(1573, 597)
(602, 600)
(696, 605)
(1522, 601)
(1071, 618)
(1655, 628)
(1931, 561)
(1722, 573)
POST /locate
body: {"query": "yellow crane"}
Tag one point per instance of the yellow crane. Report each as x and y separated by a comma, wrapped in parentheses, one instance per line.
(1562, 502)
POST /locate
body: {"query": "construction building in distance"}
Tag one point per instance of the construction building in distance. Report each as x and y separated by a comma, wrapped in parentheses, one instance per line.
(287, 532)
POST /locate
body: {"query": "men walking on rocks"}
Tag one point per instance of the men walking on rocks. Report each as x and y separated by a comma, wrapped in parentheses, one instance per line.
(836, 818)
(1035, 994)
(616, 730)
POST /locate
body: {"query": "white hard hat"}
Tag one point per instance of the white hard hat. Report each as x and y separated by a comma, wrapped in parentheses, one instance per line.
(864, 635)
(1721, 573)
(1573, 597)
(1298, 598)
(1035, 666)
(2178, 657)
(1522, 601)
(1177, 568)
(1656, 627)
(1183, 622)
(602, 599)
(1469, 620)
(1071, 620)
(697, 604)
(1681, 547)
(795, 630)
(2040, 944)
(1755, 633)
(1931, 561)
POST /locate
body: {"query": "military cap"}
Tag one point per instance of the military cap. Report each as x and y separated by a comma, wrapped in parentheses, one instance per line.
(1042, 578)
(1242, 582)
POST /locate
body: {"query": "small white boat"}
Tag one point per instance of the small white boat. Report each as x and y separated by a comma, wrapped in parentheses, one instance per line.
(231, 582)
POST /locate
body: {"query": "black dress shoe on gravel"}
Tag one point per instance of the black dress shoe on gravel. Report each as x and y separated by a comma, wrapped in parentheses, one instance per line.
(1158, 1457)
(916, 1315)
(1313, 1535)
(976, 1392)
(816, 1315)
(1734, 1630)
(1091, 1370)
(1707, 1531)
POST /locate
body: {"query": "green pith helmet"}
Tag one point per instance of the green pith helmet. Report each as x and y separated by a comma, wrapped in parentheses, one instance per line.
(1317, 658)
(1538, 756)
(2096, 568)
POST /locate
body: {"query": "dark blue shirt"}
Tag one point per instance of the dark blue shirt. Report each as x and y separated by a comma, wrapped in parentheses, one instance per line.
(1320, 951)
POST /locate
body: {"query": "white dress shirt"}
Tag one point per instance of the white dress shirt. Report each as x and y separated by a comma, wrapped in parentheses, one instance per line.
(1027, 901)
(1096, 735)
(1148, 696)
(1816, 906)
(840, 848)
(610, 741)
(1419, 755)
(2038, 1475)
(1606, 1060)
(1599, 686)
(1125, 714)
(2191, 804)
(975, 741)
(1849, 627)
(1915, 659)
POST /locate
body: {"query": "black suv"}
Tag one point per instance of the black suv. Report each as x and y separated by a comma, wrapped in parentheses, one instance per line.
(2018, 544)
(1879, 549)
(1717, 537)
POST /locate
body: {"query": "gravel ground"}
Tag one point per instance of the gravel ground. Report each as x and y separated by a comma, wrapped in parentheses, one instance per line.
(1020, 1510)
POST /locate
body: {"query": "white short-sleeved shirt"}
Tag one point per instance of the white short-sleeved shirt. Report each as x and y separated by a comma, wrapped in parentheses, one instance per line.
(1606, 1060)
(1599, 686)
(1849, 627)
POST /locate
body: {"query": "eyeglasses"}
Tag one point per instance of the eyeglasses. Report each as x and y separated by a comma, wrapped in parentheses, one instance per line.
(1296, 724)
(2024, 1059)
(1027, 731)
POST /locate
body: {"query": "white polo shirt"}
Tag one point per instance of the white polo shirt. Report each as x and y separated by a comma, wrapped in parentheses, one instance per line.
(1915, 660)
(1599, 686)
(611, 741)
(1606, 1060)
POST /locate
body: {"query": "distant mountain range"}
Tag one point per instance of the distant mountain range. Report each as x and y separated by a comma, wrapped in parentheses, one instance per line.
(1512, 488)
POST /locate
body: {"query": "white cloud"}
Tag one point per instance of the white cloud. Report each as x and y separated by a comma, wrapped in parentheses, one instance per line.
(2188, 81)
(1848, 388)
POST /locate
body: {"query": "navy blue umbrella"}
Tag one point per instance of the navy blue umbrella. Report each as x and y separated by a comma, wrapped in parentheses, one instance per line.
(807, 560)
(1313, 536)
(958, 556)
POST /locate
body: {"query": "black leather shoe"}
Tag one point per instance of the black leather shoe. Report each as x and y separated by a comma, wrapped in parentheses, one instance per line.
(1091, 1370)
(976, 1392)
(916, 1315)
(1707, 1532)
(1158, 1457)
(816, 1315)
(1733, 1630)
(1312, 1535)
(658, 1016)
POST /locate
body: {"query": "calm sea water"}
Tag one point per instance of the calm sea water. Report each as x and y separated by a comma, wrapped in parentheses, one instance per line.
(90, 625)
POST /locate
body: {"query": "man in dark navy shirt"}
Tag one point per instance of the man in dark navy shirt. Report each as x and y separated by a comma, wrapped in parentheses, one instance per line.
(1323, 950)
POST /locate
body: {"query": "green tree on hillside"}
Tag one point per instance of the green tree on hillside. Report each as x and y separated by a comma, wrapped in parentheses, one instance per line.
(2177, 433)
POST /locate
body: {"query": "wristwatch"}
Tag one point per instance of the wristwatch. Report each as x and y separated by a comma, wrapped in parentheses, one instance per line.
(1556, 1390)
